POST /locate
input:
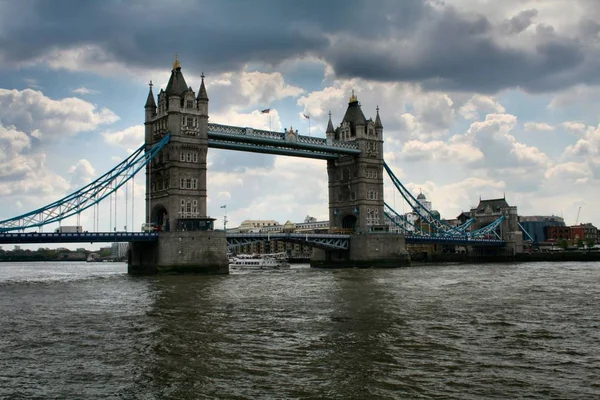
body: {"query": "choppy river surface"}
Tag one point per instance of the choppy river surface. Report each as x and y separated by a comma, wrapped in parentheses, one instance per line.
(497, 331)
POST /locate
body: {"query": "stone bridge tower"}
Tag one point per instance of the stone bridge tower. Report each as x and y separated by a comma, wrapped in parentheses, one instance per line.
(176, 177)
(356, 182)
(176, 186)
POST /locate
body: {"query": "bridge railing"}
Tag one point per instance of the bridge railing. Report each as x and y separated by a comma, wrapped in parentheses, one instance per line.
(280, 136)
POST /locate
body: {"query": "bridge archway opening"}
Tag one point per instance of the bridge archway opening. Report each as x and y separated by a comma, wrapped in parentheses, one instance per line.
(160, 217)
(349, 222)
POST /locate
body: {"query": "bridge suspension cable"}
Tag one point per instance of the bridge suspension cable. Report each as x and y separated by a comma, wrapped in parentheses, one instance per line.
(441, 228)
(426, 216)
(89, 195)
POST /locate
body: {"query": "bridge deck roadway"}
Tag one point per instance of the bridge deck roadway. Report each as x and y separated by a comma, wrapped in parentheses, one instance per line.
(83, 237)
(332, 241)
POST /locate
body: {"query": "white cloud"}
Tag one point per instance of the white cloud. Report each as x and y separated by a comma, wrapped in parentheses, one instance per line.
(130, 138)
(538, 126)
(580, 95)
(24, 175)
(30, 111)
(84, 90)
(265, 88)
(574, 127)
(12, 142)
(569, 172)
(440, 151)
(406, 110)
(480, 104)
(82, 173)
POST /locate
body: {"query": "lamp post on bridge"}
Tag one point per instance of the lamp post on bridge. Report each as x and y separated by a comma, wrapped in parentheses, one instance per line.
(225, 218)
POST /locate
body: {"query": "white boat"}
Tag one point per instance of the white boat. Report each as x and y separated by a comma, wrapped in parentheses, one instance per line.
(259, 261)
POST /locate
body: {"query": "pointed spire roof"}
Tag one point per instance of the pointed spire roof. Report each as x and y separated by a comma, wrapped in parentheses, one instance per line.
(330, 125)
(150, 103)
(176, 85)
(378, 120)
(354, 114)
(202, 95)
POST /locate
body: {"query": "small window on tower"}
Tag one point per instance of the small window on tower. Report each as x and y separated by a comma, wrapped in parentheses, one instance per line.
(190, 104)
(189, 121)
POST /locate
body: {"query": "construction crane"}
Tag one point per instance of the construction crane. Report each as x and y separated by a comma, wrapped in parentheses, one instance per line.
(577, 220)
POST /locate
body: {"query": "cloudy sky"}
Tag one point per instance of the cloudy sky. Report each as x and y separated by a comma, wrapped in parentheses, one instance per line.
(478, 98)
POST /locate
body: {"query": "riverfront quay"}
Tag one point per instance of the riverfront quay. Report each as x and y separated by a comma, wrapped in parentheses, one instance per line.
(470, 331)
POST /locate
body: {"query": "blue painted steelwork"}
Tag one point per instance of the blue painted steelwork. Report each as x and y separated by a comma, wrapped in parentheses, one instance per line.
(464, 240)
(441, 228)
(525, 232)
(281, 143)
(319, 240)
(83, 237)
(425, 215)
(466, 225)
(488, 229)
(87, 196)
(388, 211)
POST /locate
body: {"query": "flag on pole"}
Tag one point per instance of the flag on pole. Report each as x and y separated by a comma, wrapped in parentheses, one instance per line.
(306, 116)
(225, 206)
(265, 111)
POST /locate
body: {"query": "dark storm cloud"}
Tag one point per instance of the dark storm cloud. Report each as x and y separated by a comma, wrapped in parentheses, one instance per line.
(411, 40)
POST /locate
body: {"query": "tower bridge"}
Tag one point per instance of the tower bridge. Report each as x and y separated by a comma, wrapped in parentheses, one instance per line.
(176, 142)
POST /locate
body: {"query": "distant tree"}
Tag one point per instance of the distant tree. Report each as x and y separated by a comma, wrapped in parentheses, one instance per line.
(562, 243)
(105, 252)
(580, 243)
(590, 242)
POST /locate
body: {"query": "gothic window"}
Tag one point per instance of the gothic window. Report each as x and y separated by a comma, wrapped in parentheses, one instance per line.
(188, 207)
(188, 157)
(182, 183)
(190, 104)
(182, 156)
(189, 121)
(194, 183)
(195, 122)
(345, 175)
(195, 206)
(372, 216)
(188, 183)
(182, 206)
(195, 156)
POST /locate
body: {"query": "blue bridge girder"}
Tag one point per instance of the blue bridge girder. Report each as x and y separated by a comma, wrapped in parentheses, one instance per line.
(280, 143)
(326, 241)
(83, 237)
(457, 240)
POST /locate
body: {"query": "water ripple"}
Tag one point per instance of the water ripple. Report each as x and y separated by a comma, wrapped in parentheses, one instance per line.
(530, 331)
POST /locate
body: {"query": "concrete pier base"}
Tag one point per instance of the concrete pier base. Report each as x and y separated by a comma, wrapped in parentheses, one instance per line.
(378, 250)
(189, 252)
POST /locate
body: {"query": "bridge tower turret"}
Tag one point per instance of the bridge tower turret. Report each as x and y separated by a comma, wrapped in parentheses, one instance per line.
(356, 182)
(176, 177)
(150, 108)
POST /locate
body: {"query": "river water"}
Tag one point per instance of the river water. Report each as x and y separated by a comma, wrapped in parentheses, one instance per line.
(495, 331)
